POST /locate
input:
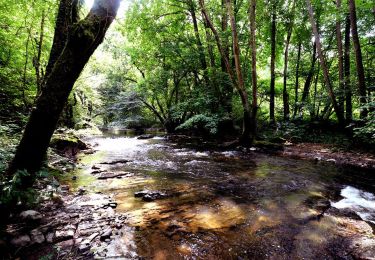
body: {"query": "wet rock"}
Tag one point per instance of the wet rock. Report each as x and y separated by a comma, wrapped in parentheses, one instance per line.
(66, 244)
(31, 216)
(331, 161)
(21, 241)
(62, 235)
(106, 234)
(65, 187)
(116, 162)
(112, 175)
(50, 237)
(95, 167)
(81, 191)
(317, 158)
(111, 205)
(149, 196)
(37, 236)
(145, 137)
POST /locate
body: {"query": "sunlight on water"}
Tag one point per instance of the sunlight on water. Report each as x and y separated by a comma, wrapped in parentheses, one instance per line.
(218, 201)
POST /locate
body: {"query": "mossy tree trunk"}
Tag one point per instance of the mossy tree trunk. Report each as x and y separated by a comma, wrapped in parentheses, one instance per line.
(84, 37)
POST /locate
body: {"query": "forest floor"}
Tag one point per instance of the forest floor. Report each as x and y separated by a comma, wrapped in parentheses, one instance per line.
(329, 153)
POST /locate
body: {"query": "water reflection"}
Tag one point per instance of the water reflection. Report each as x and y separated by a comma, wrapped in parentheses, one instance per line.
(224, 205)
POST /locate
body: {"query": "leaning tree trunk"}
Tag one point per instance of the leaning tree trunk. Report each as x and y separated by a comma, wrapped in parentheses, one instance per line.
(358, 57)
(323, 64)
(84, 37)
(67, 15)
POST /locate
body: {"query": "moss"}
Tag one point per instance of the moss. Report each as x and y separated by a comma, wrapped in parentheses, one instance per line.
(65, 141)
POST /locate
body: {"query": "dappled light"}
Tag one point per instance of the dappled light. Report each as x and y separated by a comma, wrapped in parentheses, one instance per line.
(187, 129)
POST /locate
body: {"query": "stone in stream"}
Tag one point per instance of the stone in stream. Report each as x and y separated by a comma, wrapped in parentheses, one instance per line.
(149, 196)
(116, 162)
(112, 175)
(145, 137)
(106, 234)
(95, 167)
(62, 235)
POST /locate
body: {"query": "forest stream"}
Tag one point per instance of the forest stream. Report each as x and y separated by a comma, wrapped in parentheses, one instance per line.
(189, 203)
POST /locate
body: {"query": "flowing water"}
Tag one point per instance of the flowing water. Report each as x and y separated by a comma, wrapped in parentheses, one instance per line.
(229, 204)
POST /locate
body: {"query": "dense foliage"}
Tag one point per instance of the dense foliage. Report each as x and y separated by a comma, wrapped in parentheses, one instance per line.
(160, 65)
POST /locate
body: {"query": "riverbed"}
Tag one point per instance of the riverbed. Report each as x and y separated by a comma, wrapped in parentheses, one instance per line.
(220, 204)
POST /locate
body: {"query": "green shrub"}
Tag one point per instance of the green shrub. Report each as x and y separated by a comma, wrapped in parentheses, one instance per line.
(201, 124)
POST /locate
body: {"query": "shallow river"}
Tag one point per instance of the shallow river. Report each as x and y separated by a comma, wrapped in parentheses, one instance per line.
(229, 204)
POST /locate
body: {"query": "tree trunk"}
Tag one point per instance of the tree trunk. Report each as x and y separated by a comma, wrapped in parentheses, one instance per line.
(296, 86)
(66, 16)
(307, 85)
(285, 78)
(202, 57)
(273, 56)
(246, 129)
(348, 87)
(253, 47)
(37, 58)
(223, 54)
(84, 37)
(227, 86)
(323, 65)
(340, 57)
(358, 58)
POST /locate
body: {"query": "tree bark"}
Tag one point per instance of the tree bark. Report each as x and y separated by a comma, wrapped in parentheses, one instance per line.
(246, 137)
(323, 64)
(340, 57)
(307, 85)
(66, 16)
(296, 85)
(286, 60)
(227, 86)
(358, 58)
(84, 37)
(348, 87)
(37, 58)
(253, 47)
(202, 57)
(273, 56)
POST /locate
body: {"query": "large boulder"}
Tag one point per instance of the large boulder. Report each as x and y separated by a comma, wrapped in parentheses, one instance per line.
(67, 144)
